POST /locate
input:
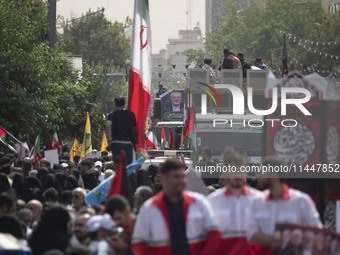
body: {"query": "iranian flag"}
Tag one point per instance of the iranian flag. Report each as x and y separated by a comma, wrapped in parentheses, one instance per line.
(164, 140)
(140, 71)
(55, 142)
(36, 151)
(3, 133)
(152, 141)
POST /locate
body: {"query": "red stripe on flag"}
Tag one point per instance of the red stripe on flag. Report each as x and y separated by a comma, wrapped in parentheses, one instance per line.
(116, 186)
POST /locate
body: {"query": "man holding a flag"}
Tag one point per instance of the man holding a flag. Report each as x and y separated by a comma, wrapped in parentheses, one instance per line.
(121, 131)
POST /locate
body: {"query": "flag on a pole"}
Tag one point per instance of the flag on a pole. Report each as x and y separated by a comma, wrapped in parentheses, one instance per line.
(104, 144)
(171, 141)
(140, 71)
(87, 144)
(55, 142)
(3, 133)
(152, 141)
(190, 131)
(164, 140)
(284, 57)
(75, 150)
(36, 151)
(120, 184)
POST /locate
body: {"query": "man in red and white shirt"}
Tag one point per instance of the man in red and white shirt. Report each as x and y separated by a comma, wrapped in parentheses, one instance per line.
(175, 222)
(280, 204)
(231, 205)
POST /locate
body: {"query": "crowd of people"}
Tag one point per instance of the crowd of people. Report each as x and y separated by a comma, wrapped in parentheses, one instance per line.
(232, 61)
(46, 207)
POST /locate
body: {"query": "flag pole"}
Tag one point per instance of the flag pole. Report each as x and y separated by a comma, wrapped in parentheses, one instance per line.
(12, 136)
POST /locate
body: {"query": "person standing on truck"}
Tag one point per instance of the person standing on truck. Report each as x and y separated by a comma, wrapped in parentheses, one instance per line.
(121, 131)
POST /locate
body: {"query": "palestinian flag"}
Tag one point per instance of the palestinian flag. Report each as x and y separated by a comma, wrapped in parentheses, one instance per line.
(151, 141)
(164, 140)
(190, 131)
(3, 133)
(140, 71)
(36, 151)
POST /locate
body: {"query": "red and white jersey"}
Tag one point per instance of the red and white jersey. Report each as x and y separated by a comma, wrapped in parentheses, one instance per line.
(232, 214)
(294, 207)
(151, 233)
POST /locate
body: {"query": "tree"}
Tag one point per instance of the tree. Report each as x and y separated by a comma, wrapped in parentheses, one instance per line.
(195, 57)
(98, 40)
(255, 31)
(40, 91)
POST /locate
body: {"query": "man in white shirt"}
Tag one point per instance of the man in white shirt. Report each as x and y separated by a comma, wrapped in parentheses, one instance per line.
(280, 204)
(231, 205)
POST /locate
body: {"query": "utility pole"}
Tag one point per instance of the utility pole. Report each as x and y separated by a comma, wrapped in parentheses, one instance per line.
(52, 20)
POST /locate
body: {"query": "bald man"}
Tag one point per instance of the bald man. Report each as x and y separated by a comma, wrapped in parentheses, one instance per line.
(36, 208)
(78, 199)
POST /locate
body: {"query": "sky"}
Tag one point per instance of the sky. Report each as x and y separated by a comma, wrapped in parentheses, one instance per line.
(167, 17)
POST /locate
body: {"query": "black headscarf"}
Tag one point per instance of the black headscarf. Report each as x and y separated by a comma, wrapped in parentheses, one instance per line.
(90, 180)
(143, 179)
(33, 182)
(50, 182)
(66, 197)
(51, 232)
(71, 183)
(132, 179)
(4, 183)
(60, 178)
(21, 188)
(42, 173)
(36, 194)
(11, 225)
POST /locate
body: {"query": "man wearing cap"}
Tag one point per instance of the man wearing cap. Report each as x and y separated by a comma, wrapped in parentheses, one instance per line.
(65, 168)
(121, 131)
(101, 227)
(280, 204)
(258, 62)
(85, 165)
(231, 206)
(98, 165)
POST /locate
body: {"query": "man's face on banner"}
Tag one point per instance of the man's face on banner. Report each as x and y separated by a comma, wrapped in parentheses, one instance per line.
(176, 98)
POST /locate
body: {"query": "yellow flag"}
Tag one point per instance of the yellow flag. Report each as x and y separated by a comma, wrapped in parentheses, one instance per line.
(104, 144)
(75, 150)
(87, 144)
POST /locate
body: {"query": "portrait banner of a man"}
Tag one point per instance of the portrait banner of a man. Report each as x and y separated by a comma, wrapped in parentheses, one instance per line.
(172, 105)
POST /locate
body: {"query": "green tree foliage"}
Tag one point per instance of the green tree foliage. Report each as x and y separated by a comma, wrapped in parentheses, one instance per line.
(98, 40)
(255, 30)
(40, 92)
(195, 57)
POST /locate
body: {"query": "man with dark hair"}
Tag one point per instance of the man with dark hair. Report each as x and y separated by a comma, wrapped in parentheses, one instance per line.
(208, 177)
(51, 195)
(45, 163)
(6, 169)
(120, 211)
(181, 221)
(231, 206)
(227, 62)
(280, 204)
(85, 165)
(208, 66)
(240, 56)
(27, 167)
(121, 131)
(7, 203)
(258, 62)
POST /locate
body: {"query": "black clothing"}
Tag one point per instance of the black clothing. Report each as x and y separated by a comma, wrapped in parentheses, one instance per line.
(178, 237)
(123, 125)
